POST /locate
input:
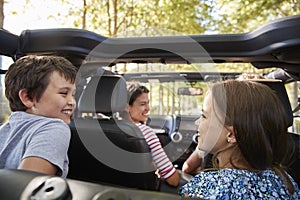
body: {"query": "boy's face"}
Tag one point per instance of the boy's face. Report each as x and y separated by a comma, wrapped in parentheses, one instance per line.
(57, 101)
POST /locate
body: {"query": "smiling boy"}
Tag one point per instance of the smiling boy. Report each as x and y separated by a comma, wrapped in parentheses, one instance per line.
(40, 90)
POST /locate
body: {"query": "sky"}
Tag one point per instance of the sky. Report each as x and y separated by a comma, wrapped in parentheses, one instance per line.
(36, 15)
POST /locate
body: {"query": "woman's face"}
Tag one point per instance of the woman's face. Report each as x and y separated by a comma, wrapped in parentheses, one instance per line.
(139, 110)
(211, 131)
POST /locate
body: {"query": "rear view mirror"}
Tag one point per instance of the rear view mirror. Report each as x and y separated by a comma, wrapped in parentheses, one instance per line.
(190, 91)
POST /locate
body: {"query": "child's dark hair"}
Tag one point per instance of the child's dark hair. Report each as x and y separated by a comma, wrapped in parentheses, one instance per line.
(134, 91)
(32, 73)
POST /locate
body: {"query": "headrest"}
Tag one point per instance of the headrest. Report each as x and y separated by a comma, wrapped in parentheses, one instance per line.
(280, 90)
(104, 94)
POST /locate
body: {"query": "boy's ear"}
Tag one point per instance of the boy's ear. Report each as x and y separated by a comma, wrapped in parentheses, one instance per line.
(23, 95)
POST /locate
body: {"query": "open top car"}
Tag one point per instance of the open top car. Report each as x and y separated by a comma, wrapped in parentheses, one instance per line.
(109, 158)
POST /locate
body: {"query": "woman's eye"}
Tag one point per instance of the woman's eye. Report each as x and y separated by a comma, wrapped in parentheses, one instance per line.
(203, 116)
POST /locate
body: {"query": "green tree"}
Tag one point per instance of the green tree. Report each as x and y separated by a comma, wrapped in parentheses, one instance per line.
(143, 17)
(1, 13)
(239, 16)
(106, 17)
(178, 16)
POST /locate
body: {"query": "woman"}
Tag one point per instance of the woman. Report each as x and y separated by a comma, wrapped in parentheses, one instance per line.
(138, 101)
(244, 126)
(138, 109)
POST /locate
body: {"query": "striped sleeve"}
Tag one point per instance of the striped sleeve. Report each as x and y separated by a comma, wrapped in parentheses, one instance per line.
(159, 156)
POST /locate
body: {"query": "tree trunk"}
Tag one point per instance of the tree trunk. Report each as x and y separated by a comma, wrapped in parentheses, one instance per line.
(1, 13)
(83, 15)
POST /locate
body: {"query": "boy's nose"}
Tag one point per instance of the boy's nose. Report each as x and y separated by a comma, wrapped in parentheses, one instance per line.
(72, 101)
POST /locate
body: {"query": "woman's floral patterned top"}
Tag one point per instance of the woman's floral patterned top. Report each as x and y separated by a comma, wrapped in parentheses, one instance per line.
(238, 184)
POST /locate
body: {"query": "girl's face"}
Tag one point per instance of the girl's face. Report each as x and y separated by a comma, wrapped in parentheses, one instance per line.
(139, 110)
(57, 101)
(211, 131)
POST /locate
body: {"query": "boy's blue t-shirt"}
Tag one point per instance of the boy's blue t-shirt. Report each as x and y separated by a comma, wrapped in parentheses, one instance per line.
(26, 135)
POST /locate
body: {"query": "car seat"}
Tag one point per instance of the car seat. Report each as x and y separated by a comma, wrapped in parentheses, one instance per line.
(294, 139)
(105, 148)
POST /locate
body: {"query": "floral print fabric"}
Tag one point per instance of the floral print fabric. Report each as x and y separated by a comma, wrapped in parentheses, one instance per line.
(238, 184)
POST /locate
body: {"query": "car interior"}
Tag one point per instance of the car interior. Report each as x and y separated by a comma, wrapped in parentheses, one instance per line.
(100, 135)
(103, 97)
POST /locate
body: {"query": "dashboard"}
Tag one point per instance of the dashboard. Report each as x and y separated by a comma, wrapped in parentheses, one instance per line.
(177, 134)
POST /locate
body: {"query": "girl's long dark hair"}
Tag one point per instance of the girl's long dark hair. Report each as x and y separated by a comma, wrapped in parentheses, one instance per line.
(259, 122)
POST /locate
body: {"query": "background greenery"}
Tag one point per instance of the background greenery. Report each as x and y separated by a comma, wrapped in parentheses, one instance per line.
(132, 18)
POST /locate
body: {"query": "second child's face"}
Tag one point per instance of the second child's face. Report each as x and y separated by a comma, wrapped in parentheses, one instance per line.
(57, 101)
(140, 109)
(211, 132)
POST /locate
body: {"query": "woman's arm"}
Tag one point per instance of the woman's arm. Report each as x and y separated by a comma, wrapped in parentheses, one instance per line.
(193, 164)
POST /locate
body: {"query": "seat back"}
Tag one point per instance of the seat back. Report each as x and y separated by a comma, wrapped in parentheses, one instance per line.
(294, 167)
(294, 139)
(280, 90)
(103, 148)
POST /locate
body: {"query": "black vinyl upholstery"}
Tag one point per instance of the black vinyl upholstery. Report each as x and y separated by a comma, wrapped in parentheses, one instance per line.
(293, 167)
(92, 139)
(280, 90)
(21, 185)
(105, 94)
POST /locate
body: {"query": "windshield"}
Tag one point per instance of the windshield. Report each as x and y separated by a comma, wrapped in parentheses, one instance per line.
(168, 83)
(165, 100)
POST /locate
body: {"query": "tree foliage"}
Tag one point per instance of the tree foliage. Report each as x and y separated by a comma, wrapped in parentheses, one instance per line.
(1, 13)
(143, 17)
(123, 18)
(164, 17)
(238, 16)
(114, 18)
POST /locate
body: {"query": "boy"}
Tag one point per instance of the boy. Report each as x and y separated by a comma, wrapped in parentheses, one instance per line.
(40, 90)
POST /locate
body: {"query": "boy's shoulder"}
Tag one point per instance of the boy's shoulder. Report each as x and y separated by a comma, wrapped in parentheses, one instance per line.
(22, 118)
